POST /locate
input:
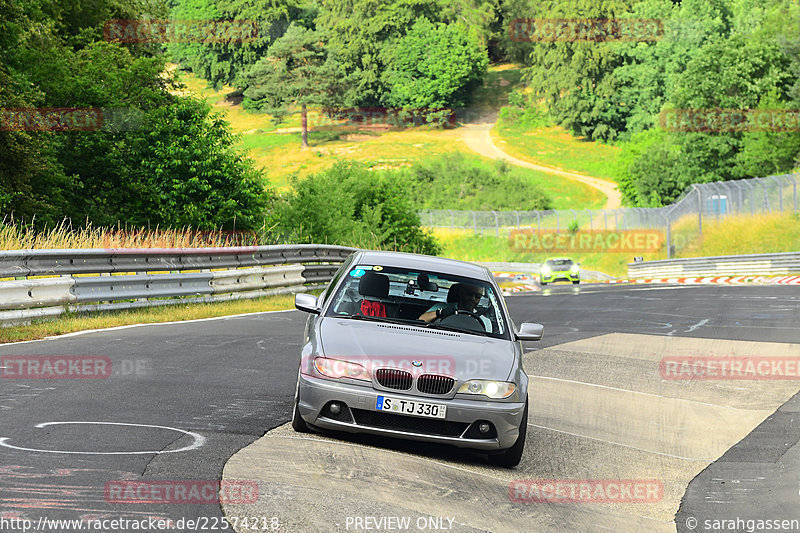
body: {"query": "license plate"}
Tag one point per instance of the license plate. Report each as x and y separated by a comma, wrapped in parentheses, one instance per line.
(410, 407)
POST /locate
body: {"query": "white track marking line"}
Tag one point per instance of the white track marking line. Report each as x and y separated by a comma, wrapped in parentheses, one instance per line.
(633, 391)
(199, 440)
(703, 459)
(76, 333)
(699, 324)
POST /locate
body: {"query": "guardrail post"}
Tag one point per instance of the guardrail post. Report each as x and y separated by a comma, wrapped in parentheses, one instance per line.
(516, 213)
(496, 225)
(452, 219)
(556, 221)
(538, 221)
(475, 222)
(794, 194)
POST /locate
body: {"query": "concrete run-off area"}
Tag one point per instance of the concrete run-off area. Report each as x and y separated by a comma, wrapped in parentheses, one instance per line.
(601, 414)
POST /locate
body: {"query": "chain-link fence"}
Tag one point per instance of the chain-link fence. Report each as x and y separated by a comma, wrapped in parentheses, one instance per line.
(681, 221)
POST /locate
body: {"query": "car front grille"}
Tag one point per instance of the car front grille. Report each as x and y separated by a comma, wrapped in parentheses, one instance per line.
(433, 384)
(394, 379)
(412, 424)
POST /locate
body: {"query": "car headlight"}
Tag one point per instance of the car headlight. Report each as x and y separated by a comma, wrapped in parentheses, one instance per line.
(492, 389)
(574, 269)
(545, 271)
(336, 368)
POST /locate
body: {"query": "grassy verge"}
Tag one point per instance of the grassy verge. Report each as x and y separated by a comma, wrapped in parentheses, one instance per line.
(746, 234)
(553, 146)
(72, 322)
(279, 153)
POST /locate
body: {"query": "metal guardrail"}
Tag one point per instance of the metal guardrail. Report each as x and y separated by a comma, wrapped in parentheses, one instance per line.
(732, 265)
(128, 278)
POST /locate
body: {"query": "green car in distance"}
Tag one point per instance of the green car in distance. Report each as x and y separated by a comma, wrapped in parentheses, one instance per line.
(559, 269)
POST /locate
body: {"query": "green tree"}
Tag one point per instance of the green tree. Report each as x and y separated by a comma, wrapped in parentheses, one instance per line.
(297, 71)
(361, 34)
(184, 171)
(224, 59)
(351, 205)
(31, 179)
(434, 66)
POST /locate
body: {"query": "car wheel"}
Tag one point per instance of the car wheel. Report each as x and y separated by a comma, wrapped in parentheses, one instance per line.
(576, 282)
(543, 283)
(511, 457)
(298, 424)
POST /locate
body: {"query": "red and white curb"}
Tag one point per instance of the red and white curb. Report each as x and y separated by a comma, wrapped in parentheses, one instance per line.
(728, 280)
(521, 288)
(707, 280)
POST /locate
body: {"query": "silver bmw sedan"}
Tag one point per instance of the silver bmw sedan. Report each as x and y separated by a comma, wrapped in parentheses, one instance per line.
(415, 347)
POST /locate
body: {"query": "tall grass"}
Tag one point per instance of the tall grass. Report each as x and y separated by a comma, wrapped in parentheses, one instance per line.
(745, 234)
(16, 236)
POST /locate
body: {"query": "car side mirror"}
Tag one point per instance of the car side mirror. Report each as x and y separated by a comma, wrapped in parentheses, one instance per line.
(306, 302)
(528, 331)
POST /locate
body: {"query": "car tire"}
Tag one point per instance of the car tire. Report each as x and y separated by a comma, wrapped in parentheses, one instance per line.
(511, 457)
(543, 283)
(576, 282)
(298, 424)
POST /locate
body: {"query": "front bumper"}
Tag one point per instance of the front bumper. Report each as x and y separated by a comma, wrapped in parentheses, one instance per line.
(361, 416)
(560, 276)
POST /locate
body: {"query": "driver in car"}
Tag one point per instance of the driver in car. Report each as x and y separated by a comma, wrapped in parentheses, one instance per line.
(460, 296)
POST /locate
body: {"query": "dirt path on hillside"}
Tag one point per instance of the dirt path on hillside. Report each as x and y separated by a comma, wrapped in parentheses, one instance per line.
(477, 137)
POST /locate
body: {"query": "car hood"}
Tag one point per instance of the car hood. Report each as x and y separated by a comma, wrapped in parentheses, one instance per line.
(419, 350)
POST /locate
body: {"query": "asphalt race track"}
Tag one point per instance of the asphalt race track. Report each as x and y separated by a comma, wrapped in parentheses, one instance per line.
(184, 401)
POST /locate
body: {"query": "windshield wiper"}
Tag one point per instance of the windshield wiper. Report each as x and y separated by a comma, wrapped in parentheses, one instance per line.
(377, 319)
(457, 330)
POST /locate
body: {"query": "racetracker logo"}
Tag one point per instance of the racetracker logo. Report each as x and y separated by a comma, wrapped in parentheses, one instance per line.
(604, 241)
(366, 117)
(585, 29)
(733, 368)
(51, 119)
(181, 31)
(55, 367)
(181, 492)
(730, 120)
(341, 365)
(586, 491)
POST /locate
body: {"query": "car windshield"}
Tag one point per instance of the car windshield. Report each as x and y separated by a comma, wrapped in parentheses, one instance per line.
(385, 293)
(560, 262)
